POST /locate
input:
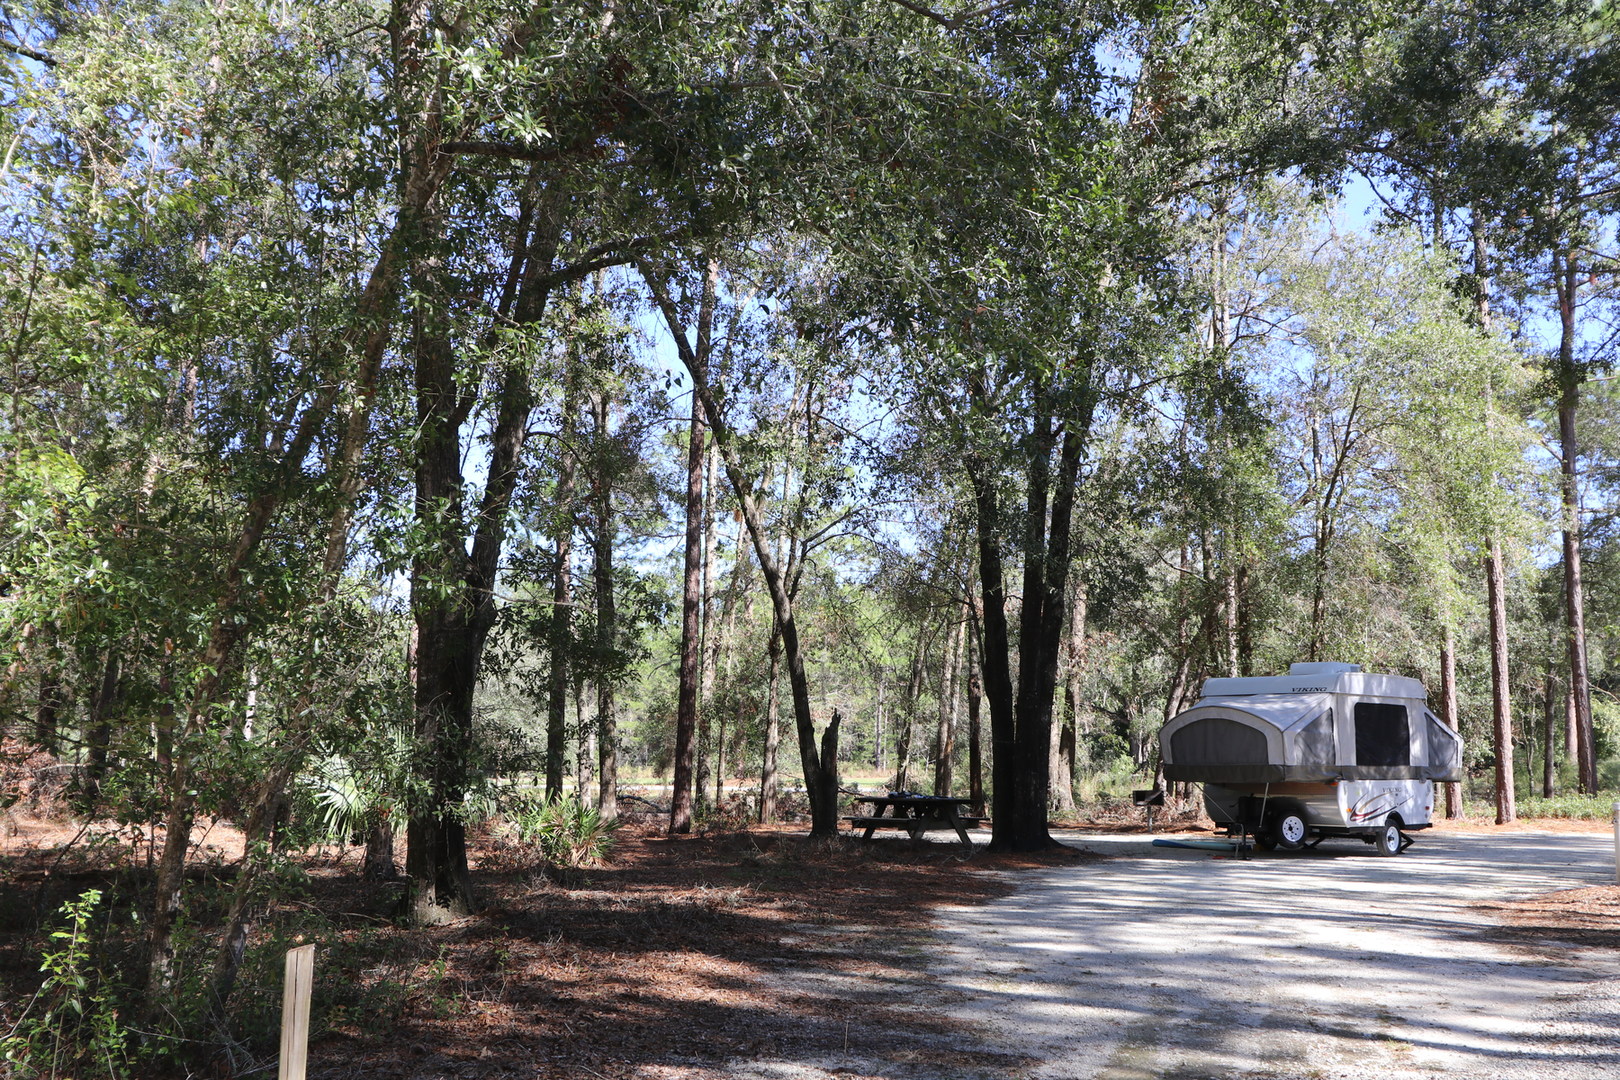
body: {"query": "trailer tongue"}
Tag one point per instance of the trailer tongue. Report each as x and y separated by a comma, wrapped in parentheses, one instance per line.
(1326, 750)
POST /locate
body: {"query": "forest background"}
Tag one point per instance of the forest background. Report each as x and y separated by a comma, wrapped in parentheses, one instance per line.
(415, 414)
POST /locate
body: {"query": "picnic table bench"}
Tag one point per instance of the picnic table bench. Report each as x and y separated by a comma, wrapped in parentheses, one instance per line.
(916, 814)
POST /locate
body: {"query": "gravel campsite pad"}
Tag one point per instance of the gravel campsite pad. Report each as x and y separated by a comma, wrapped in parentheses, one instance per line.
(1172, 964)
(1168, 963)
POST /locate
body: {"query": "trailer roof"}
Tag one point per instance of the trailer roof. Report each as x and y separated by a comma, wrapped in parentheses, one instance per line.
(1356, 682)
(1282, 711)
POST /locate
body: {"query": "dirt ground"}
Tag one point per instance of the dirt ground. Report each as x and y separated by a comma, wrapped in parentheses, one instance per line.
(660, 963)
(683, 959)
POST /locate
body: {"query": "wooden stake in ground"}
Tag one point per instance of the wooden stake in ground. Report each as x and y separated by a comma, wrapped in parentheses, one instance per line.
(299, 983)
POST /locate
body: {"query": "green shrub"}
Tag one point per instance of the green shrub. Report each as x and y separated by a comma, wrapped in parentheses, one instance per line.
(71, 1026)
(1598, 807)
(568, 832)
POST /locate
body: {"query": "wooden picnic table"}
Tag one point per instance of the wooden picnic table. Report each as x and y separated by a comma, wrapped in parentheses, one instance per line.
(916, 814)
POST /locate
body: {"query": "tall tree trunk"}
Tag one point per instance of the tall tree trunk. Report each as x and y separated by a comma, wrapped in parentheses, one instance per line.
(1569, 380)
(709, 652)
(1572, 738)
(767, 774)
(1184, 646)
(906, 735)
(820, 763)
(878, 757)
(1448, 710)
(945, 737)
(368, 334)
(996, 655)
(1065, 736)
(687, 704)
(1549, 753)
(436, 853)
(1037, 694)
(607, 630)
(1501, 694)
(560, 637)
(585, 744)
(99, 722)
(1501, 699)
(1327, 467)
(735, 588)
(52, 692)
(1245, 627)
(1021, 728)
(1229, 615)
(452, 590)
(976, 763)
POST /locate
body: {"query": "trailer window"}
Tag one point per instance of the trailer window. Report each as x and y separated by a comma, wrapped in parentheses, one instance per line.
(1316, 741)
(1382, 737)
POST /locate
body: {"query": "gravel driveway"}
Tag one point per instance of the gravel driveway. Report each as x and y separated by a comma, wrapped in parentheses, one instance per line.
(1164, 963)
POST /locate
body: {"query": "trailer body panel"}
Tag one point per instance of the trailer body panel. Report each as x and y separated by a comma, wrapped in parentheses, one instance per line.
(1348, 751)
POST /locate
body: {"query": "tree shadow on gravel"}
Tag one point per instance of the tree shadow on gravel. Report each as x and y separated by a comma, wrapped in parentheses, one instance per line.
(678, 957)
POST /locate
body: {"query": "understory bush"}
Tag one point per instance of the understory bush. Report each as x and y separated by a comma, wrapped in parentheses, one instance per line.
(71, 1026)
(1598, 807)
(567, 831)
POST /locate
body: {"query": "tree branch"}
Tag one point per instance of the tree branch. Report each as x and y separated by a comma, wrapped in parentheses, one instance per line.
(486, 148)
(33, 54)
(951, 22)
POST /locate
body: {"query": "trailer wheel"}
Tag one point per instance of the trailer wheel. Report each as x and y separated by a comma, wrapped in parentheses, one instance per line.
(1388, 837)
(1288, 828)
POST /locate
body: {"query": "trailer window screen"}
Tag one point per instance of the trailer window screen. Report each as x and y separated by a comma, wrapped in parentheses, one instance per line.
(1316, 741)
(1218, 741)
(1382, 737)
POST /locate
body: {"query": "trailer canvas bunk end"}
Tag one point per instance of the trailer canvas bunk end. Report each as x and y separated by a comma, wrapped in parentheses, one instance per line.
(1326, 750)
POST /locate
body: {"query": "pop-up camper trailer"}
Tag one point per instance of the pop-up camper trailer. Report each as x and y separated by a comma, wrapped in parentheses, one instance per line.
(1326, 750)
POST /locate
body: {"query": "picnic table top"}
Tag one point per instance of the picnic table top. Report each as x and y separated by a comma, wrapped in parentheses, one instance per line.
(910, 799)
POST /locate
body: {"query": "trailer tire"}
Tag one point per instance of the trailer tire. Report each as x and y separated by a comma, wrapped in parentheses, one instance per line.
(1388, 838)
(1288, 828)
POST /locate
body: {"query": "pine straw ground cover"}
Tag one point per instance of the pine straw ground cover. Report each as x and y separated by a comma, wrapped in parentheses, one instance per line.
(667, 962)
(1587, 917)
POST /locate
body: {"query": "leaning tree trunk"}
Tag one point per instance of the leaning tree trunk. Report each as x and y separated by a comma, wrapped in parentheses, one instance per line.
(820, 764)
